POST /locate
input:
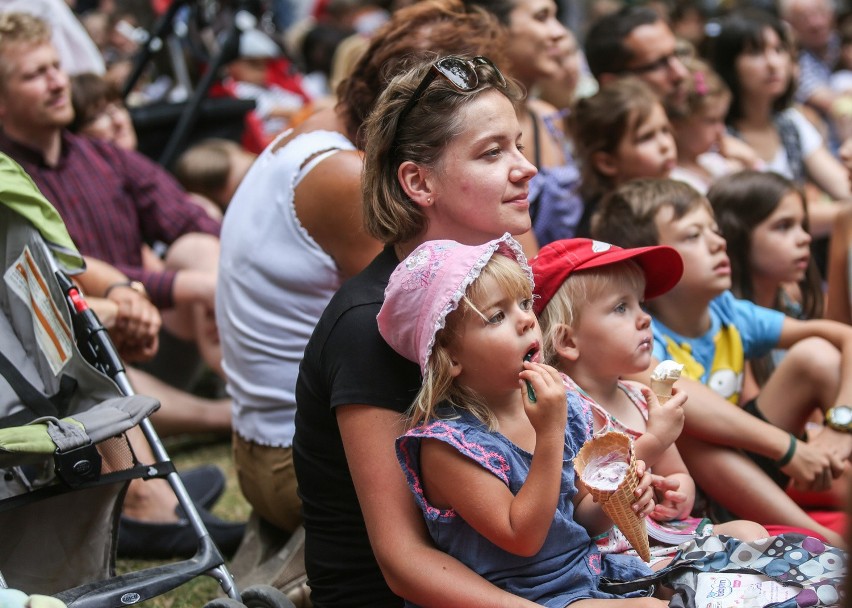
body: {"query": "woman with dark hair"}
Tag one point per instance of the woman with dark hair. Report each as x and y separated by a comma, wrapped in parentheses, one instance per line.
(534, 48)
(753, 54)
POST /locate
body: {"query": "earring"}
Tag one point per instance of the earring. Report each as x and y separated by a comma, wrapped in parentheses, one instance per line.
(429, 200)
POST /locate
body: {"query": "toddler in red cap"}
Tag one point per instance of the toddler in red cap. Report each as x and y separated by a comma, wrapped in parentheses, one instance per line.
(590, 297)
(493, 432)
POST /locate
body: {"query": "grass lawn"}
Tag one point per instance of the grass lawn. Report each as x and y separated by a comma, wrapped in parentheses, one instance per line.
(186, 453)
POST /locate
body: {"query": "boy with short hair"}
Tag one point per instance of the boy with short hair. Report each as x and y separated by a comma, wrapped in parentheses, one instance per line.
(742, 458)
(588, 297)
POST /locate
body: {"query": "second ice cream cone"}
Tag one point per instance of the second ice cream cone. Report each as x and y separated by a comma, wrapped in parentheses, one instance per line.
(606, 465)
(663, 378)
(663, 390)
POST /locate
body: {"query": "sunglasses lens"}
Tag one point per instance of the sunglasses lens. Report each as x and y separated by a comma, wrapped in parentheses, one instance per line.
(458, 72)
(480, 61)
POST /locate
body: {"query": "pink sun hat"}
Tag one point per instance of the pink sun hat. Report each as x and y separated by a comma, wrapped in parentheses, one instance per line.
(428, 285)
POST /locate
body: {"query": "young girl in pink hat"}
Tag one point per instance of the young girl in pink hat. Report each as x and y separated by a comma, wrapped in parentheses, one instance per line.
(491, 440)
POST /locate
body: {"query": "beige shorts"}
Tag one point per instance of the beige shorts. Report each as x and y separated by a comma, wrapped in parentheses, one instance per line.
(268, 481)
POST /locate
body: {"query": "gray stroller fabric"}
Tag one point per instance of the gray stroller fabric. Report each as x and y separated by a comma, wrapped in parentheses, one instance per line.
(54, 541)
(42, 340)
(41, 438)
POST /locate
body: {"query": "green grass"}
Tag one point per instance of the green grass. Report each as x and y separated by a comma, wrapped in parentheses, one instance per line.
(186, 453)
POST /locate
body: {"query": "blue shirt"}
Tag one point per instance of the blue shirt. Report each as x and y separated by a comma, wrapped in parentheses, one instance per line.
(739, 330)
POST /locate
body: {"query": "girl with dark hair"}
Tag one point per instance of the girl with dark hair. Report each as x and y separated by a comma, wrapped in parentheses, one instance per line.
(764, 220)
(765, 223)
(753, 55)
(620, 133)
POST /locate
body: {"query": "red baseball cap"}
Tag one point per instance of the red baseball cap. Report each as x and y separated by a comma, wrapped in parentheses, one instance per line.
(555, 262)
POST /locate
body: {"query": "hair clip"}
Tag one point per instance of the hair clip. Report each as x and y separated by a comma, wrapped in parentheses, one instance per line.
(700, 84)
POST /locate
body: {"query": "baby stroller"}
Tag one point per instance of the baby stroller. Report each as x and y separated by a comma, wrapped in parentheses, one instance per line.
(65, 407)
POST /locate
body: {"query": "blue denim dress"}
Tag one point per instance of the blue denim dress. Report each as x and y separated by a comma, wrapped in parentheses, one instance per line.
(568, 567)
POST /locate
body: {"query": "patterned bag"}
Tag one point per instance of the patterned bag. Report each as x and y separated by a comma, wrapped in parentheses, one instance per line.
(809, 572)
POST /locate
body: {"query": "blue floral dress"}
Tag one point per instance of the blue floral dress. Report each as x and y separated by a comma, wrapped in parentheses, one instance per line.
(568, 567)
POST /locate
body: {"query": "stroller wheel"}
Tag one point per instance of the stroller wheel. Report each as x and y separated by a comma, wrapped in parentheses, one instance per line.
(265, 596)
(224, 602)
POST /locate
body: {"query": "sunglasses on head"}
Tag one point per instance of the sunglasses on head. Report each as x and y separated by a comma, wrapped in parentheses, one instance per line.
(459, 72)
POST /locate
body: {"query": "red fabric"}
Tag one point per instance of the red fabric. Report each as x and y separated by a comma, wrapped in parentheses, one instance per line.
(160, 6)
(833, 520)
(819, 500)
(253, 138)
(280, 71)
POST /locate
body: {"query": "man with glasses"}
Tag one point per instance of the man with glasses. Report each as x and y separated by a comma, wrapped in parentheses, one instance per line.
(637, 41)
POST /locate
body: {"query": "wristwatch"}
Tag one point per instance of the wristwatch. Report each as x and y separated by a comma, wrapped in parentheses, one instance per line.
(839, 418)
(136, 286)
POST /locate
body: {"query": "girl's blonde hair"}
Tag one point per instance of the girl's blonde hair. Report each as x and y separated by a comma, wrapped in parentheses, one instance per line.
(565, 308)
(439, 385)
(601, 122)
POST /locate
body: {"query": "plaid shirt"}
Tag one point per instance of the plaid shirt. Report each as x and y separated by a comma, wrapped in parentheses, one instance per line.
(113, 201)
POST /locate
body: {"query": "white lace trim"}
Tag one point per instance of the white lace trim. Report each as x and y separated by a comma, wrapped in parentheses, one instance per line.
(514, 248)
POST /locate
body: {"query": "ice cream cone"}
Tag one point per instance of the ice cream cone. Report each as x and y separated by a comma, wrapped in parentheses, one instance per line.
(663, 378)
(663, 390)
(616, 497)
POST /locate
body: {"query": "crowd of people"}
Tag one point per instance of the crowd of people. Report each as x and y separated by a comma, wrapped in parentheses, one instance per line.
(458, 241)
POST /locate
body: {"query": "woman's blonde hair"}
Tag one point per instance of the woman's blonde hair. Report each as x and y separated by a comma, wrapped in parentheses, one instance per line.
(565, 308)
(431, 124)
(439, 384)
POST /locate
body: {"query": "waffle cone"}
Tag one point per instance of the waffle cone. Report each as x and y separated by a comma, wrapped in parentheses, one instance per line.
(662, 389)
(617, 503)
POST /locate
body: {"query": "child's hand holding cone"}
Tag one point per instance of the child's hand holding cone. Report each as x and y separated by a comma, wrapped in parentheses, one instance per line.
(608, 467)
(665, 422)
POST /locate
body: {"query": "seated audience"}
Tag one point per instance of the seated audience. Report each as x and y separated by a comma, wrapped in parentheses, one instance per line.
(512, 509)
(99, 111)
(702, 156)
(301, 202)
(589, 299)
(741, 455)
(752, 54)
(213, 168)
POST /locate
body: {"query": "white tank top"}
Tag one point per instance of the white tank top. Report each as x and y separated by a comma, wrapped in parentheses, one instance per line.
(274, 283)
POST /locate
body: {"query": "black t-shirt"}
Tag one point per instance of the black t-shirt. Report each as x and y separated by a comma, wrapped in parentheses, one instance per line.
(346, 362)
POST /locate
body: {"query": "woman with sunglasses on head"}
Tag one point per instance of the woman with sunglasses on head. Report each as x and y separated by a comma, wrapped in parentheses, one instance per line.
(442, 161)
(292, 234)
(752, 54)
(535, 40)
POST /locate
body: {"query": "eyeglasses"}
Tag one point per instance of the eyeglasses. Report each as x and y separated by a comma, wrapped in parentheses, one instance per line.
(460, 72)
(663, 63)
